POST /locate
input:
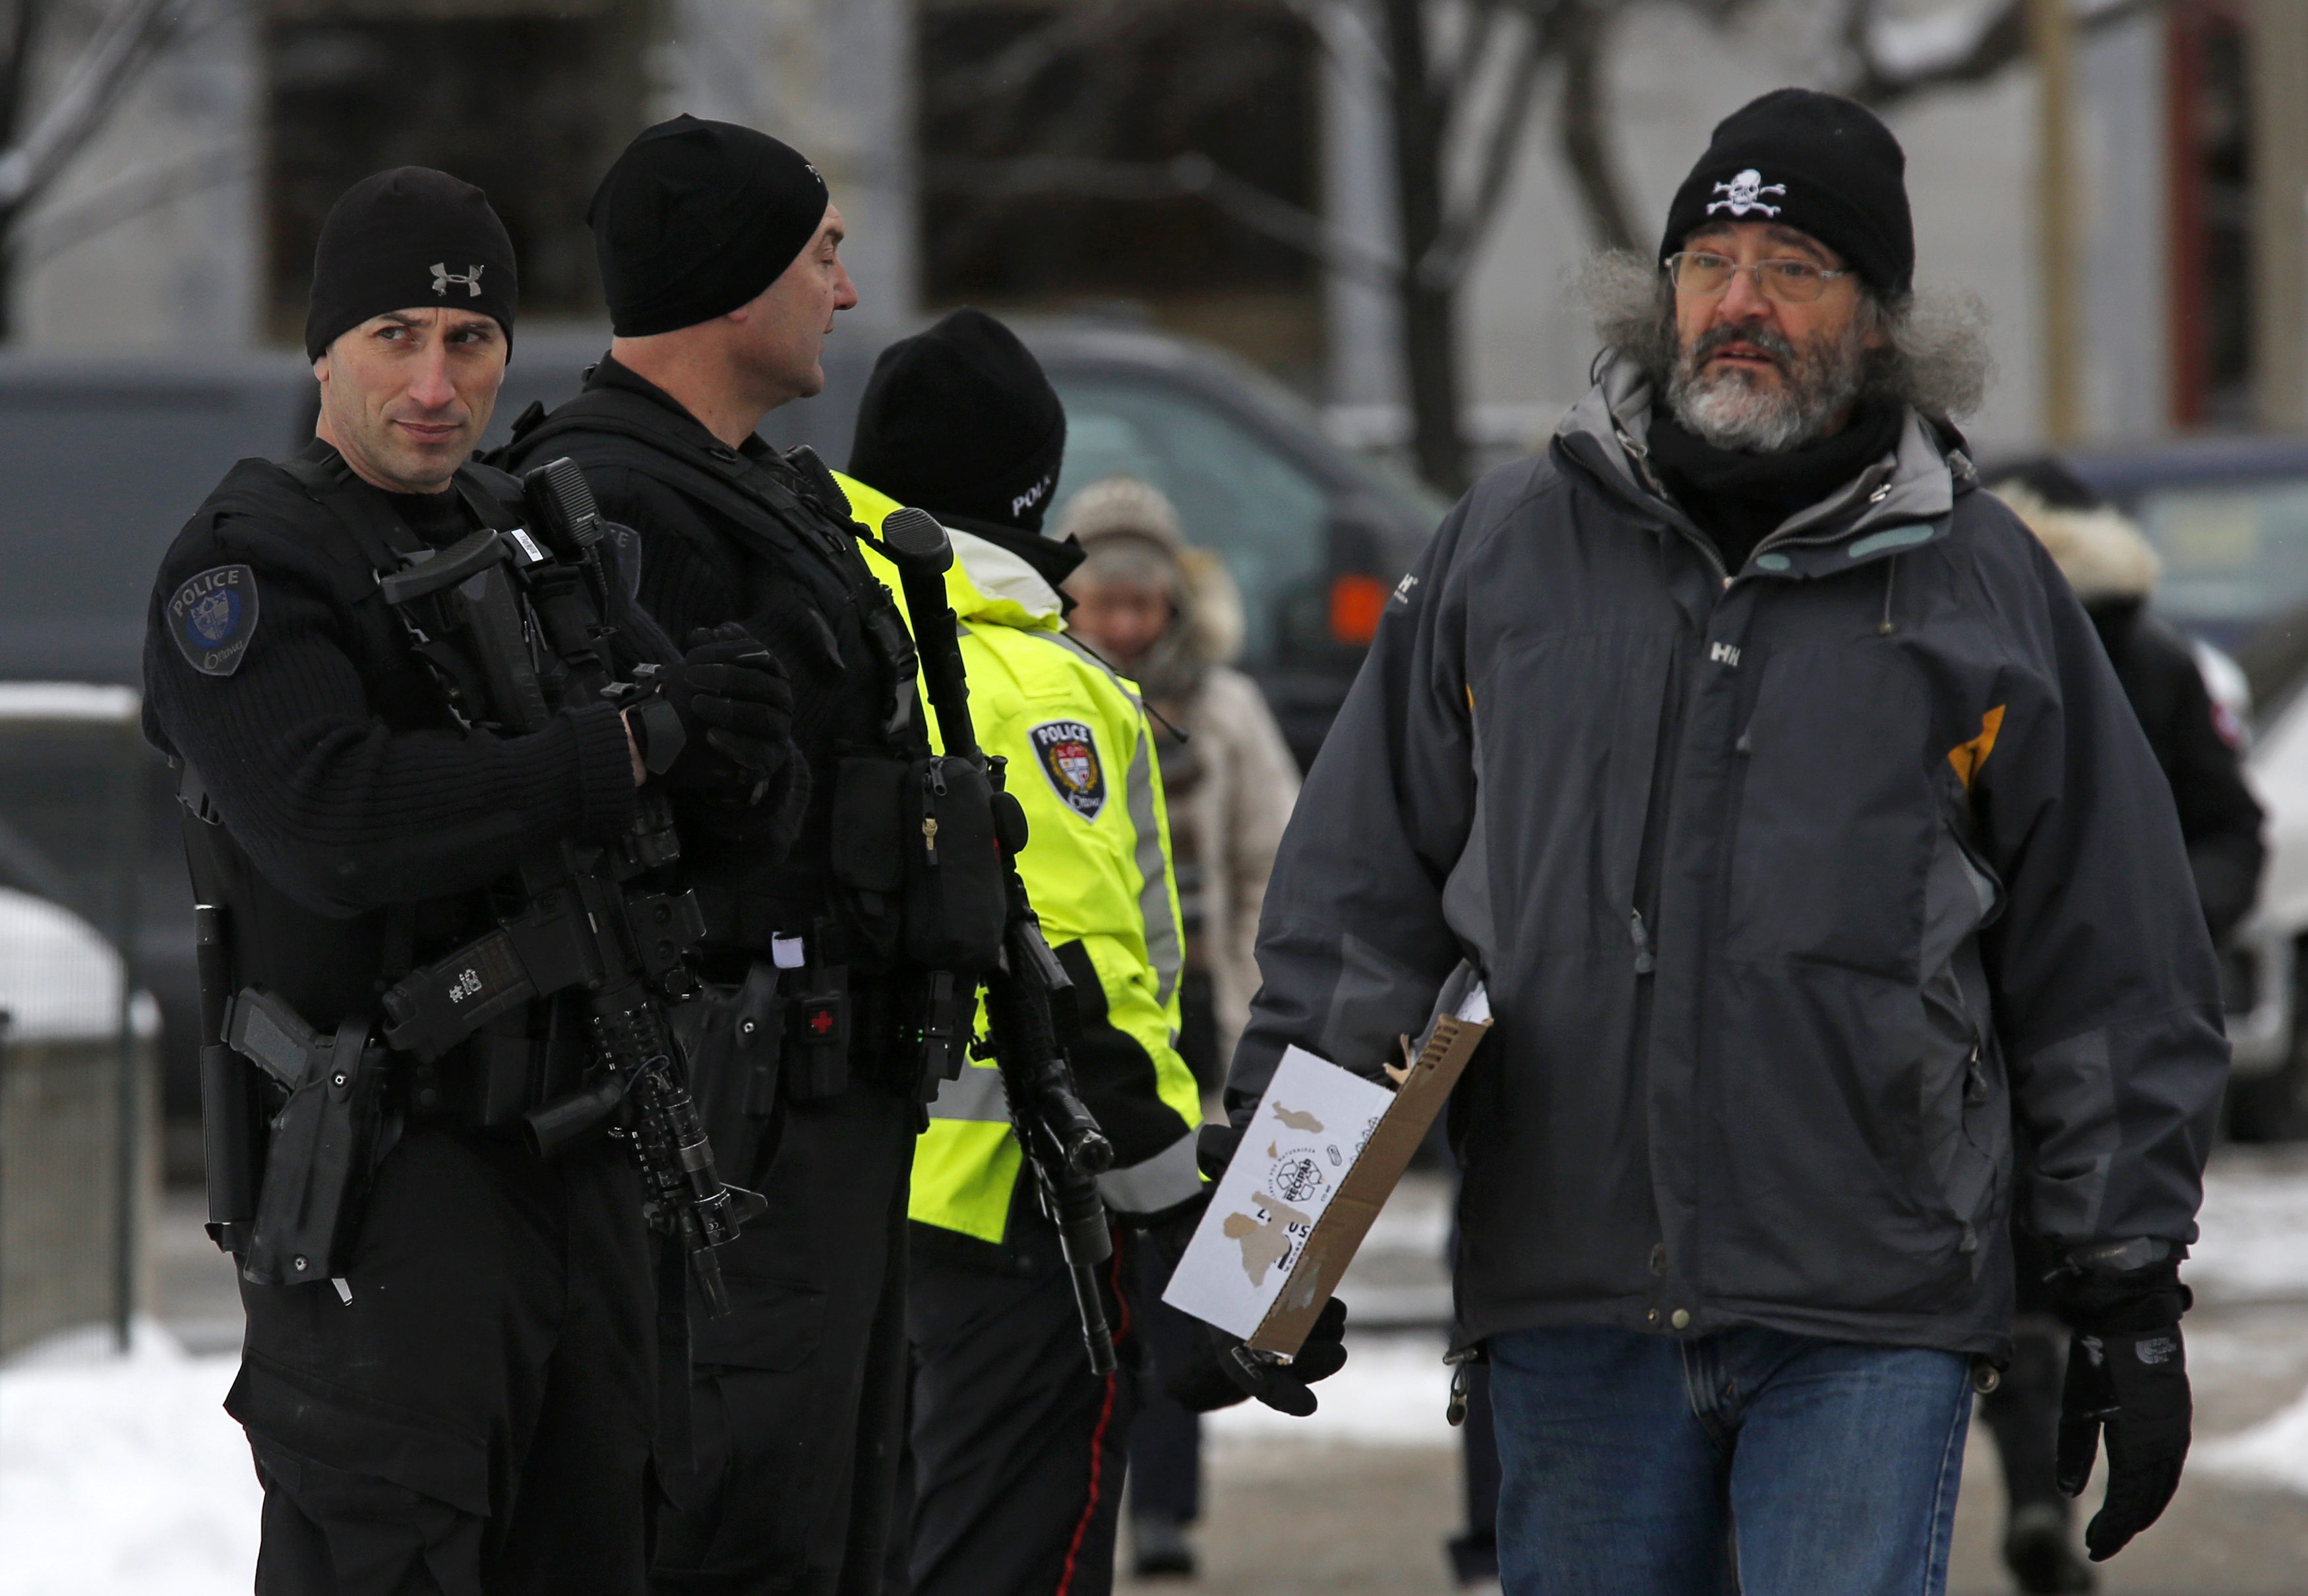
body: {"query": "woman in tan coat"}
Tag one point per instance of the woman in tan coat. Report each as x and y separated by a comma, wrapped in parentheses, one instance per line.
(1167, 615)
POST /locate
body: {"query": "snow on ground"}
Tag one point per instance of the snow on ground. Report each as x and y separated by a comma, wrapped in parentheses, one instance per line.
(2254, 1222)
(2274, 1451)
(1392, 1393)
(124, 1477)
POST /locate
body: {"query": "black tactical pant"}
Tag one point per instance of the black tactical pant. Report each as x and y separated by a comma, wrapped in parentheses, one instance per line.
(479, 1417)
(1018, 1452)
(799, 1397)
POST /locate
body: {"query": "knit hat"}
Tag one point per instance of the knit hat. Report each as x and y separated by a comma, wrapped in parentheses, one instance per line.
(1123, 507)
(1817, 163)
(407, 237)
(696, 218)
(960, 420)
(1133, 533)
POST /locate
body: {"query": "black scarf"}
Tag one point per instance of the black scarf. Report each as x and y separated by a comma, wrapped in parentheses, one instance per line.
(1739, 499)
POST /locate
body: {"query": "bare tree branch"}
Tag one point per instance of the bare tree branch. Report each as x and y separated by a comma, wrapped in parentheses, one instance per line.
(1887, 58)
(1192, 173)
(128, 39)
(1445, 265)
(62, 227)
(1581, 130)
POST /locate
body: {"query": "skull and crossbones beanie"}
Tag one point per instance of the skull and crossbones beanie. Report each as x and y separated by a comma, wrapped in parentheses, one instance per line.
(409, 238)
(1817, 163)
(696, 218)
(962, 420)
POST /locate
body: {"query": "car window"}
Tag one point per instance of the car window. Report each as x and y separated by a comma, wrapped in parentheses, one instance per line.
(1236, 495)
(2235, 555)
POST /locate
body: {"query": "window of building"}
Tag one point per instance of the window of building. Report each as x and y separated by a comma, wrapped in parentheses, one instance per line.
(1049, 174)
(529, 99)
(2211, 143)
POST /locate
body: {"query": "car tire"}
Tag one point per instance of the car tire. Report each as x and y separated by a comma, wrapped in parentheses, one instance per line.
(2274, 1107)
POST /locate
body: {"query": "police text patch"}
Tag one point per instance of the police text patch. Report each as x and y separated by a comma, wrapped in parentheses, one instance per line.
(1068, 755)
(212, 617)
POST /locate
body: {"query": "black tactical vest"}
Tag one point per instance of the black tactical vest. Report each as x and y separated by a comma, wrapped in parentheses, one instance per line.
(332, 968)
(831, 620)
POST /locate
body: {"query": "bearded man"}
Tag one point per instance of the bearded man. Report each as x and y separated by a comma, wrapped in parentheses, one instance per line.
(1780, 789)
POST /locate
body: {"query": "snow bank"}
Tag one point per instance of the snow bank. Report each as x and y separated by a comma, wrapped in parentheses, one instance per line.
(1392, 1393)
(2273, 1452)
(2254, 1224)
(124, 1478)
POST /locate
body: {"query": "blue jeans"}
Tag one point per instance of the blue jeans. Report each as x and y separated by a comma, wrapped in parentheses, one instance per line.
(1640, 1465)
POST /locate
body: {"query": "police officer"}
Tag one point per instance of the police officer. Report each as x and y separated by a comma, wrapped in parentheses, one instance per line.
(718, 249)
(454, 1390)
(1018, 1450)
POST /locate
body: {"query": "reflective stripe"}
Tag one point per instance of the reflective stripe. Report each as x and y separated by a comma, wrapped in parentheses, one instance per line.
(1164, 951)
(975, 1094)
(1163, 1181)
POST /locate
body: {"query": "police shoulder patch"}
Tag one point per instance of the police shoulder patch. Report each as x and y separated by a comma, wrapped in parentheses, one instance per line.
(1068, 755)
(212, 617)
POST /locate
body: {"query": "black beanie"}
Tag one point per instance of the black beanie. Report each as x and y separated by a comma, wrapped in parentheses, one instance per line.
(403, 238)
(960, 420)
(1815, 162)
(696, 218)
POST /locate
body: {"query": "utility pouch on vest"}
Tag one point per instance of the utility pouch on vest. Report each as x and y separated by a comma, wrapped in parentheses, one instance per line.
(955, 906)
(917, 871)
(323, 1139)
(817, 1039)
(734, 1038)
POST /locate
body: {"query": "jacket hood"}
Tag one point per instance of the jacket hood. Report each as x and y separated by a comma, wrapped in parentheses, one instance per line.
(988, 583)
(1609, 431)
(2100, 551)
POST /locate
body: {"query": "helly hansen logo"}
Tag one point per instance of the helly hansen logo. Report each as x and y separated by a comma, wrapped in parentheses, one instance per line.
(1724, 654)
(470, 277)
(1402, 588)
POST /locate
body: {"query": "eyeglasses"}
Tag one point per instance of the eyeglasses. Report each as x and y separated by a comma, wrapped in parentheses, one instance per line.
(1790, 282)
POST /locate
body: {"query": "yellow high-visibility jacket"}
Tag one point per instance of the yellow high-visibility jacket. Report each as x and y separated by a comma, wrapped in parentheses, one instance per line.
(1097, 865)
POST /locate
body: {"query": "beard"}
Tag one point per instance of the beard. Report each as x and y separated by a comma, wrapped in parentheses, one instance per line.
(1738, 409)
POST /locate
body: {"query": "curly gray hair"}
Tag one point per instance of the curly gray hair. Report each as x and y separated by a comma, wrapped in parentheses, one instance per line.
(1936, 358)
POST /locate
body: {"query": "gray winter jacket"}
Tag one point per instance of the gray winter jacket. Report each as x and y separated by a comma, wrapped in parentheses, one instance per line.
(1792, 888)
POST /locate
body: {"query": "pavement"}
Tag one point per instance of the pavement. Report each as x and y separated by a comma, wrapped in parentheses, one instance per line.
(1361, 1497)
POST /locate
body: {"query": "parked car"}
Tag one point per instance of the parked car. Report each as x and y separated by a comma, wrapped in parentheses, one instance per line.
(103, 459)
(2229, 516)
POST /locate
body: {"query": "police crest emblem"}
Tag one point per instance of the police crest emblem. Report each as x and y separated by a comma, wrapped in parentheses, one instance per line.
(1068, 755)
(212, 617)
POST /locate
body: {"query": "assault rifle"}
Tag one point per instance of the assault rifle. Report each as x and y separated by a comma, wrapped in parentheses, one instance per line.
(591, 919)
(1028, 990)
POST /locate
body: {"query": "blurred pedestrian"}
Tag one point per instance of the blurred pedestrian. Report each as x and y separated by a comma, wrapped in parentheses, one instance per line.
(1017, 1449)
(1787, 802)
(1168, 616)
(2198, 745)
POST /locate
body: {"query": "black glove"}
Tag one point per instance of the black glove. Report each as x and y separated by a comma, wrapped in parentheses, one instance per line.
(719, 721)
(2128, 1375)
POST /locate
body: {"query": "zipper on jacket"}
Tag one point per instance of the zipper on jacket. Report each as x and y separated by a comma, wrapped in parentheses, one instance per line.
(1645, 960)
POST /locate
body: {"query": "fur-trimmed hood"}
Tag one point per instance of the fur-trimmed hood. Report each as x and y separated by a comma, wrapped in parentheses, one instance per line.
(2100, 551)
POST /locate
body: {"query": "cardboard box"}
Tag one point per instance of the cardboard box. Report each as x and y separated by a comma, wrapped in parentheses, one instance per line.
(1313, 1168)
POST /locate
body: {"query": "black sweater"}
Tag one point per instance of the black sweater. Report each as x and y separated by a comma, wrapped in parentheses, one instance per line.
(345, 799)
